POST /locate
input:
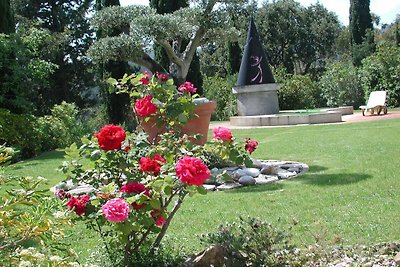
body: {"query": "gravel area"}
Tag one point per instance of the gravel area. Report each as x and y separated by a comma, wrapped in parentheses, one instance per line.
(383, 254)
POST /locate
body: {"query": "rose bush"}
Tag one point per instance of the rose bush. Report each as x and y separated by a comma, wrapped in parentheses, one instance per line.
(137, 186)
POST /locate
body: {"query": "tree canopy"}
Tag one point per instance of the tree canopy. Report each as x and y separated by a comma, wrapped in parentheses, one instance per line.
(198, 24)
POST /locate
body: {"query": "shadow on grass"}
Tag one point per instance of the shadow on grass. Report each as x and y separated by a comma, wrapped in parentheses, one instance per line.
(258, 188)
(333, 179)
(316, 168)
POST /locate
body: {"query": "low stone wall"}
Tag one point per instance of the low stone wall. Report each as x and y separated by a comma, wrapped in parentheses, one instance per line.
(275, 120)
(345, 110)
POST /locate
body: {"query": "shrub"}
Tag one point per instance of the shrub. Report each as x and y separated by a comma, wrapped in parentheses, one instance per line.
(341, 85)
(253, 242)
(220, 90)
(33, 135)
(27, 219)
(380, 71)
(298, 92)
(61, 128)
(21, 132)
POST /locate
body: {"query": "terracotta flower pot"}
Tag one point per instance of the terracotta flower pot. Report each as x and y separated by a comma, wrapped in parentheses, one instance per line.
(197, 125)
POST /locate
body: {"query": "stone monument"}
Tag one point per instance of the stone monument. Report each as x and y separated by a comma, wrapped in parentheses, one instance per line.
(256, 90)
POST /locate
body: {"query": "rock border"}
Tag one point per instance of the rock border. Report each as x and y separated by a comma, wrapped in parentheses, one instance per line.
(262, 172)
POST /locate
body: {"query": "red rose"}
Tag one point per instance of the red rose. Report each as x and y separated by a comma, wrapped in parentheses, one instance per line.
(223, 134)
(151, 164)
(135, 189)
(158, 218)
(110, 137)
(144, 107)
(250, 145)
(187, 87)
(192, 171)
(162, 77)
(145, 81)
(78, 204)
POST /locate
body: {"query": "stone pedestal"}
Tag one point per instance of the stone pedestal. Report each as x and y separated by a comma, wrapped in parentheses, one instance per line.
(257, 99)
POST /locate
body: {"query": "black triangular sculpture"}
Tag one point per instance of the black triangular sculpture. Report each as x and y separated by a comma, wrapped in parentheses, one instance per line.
(254, 68)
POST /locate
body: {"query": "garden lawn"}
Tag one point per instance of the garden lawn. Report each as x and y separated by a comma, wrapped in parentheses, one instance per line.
(350, 195)
(45, 165)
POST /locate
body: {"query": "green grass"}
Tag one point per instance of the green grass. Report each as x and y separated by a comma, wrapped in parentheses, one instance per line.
(351, 192)
(45, 165)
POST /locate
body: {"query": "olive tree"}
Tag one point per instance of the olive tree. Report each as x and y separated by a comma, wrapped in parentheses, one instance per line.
(200, 23)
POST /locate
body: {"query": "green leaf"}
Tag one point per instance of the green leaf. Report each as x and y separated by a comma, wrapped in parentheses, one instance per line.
(157, 185)
(182, 118)
(248, 162)
(85, 141)
(112, 81)
(234, 155)
(201, 190)
(95, 202)
(168, 190)
(72, 152)
(155, 203)
(107, 189)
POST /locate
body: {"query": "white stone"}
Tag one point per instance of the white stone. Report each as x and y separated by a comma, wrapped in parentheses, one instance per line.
(254, 172)
(296, 170)
(286, 175)
(247, 180)
(266, 179)
(228, 186)
(397, 258)
(82, 189)
(209, 187)
(257, 164)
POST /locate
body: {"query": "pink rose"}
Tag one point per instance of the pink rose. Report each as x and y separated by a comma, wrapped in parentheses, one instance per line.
(116, 210)
(144, 107)
(223, 134)
(147, 74)
(110, 137)
(135, 189)
(192, 171)
(187, 87)
(250, 145)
